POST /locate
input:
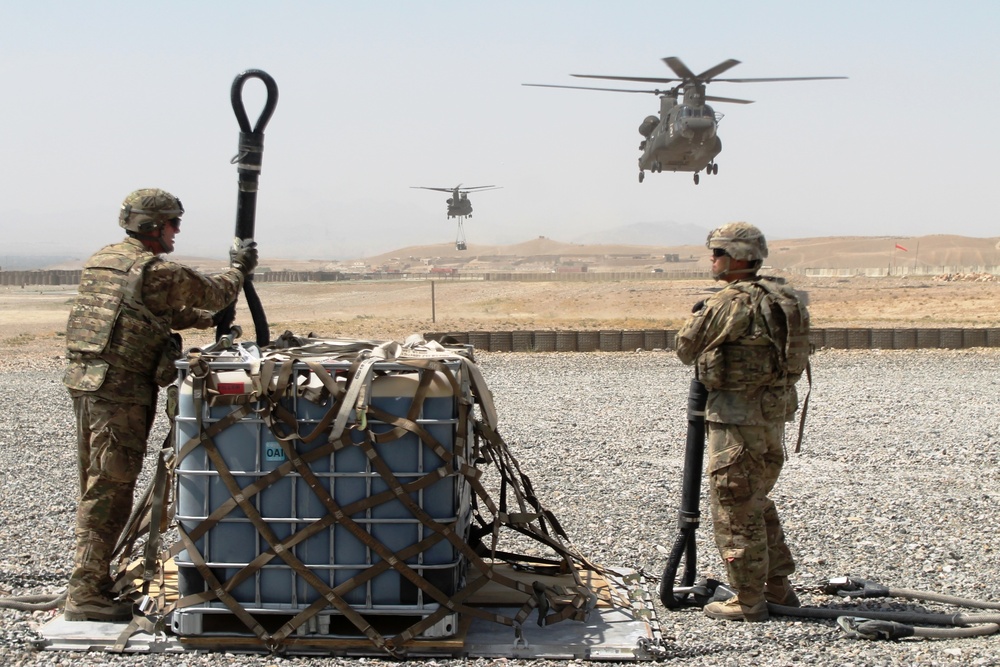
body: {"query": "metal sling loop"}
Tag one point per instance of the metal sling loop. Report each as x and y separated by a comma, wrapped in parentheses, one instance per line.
(248, 164)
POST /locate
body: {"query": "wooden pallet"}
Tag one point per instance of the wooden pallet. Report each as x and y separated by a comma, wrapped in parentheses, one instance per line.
(610, 633)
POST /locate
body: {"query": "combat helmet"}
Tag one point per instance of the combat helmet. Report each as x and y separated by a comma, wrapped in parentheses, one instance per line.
(148, 209)
(740, 240)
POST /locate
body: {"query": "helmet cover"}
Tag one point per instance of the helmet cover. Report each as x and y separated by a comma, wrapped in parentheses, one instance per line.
(740, 240)
(148, 209)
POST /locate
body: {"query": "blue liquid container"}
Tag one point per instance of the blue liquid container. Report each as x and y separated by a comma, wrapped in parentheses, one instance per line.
(289, 506)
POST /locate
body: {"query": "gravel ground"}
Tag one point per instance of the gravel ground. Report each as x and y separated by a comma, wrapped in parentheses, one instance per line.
(897, 482)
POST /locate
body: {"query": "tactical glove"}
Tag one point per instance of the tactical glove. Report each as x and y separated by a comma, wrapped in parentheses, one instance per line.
(243, 255)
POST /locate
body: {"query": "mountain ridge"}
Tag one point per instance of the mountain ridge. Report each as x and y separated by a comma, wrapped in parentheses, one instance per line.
(814, 252)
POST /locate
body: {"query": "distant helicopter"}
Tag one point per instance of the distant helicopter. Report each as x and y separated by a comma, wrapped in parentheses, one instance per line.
(459, 205)
(684, 137)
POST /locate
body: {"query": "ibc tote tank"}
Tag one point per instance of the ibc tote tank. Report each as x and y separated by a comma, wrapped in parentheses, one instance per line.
(294, 512)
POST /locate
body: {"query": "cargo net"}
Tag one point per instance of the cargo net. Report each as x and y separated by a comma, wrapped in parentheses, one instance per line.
(502, 536)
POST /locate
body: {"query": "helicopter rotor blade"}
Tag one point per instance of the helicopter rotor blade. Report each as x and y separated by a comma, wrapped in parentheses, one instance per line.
(703, 78)
(613, 90)
(680, 69)
(653, 79)
(459, 188)
(782, 78)
(710, 98)
(640, 79)
(713, 72)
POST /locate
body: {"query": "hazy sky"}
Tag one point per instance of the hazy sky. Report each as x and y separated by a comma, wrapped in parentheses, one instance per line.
(101, 98)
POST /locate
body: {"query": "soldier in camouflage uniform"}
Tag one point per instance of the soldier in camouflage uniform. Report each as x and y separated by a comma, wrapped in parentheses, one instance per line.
(120, 349)
(749, 355)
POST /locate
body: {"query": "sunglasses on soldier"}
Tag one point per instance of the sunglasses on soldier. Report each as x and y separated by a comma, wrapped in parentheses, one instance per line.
(718, 252)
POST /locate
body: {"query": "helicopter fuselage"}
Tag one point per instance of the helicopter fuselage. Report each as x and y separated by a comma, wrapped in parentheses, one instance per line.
(459, 206)
(684, 139)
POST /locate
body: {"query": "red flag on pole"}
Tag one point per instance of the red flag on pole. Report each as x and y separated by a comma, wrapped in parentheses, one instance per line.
(902, 248)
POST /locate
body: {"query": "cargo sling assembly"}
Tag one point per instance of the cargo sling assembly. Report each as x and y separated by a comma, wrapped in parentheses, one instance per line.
(349, 421)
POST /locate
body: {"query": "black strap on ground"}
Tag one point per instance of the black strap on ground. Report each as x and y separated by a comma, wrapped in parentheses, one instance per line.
(248, 165)
(866, 624)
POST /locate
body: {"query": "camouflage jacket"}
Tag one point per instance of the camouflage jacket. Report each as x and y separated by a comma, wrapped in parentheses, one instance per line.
(128, 303)
(738, 352)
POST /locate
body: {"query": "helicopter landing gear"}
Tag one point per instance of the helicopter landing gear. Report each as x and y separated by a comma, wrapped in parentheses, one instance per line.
(712, 169)
(697, 179)
(642, 175)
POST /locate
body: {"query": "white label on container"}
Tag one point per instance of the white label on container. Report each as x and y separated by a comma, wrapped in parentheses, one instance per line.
(273, 451)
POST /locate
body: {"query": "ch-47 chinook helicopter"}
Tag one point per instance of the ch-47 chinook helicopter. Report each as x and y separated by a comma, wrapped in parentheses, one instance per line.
(459, 205)
(684, 137)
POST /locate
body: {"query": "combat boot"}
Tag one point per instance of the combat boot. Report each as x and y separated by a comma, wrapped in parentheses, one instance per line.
(97, 608)
(734, 610)
(87, 602)
(778, 590)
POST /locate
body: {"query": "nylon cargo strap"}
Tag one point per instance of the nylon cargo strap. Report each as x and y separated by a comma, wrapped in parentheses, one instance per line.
(152, 515)
(353, 397)
(805, 407)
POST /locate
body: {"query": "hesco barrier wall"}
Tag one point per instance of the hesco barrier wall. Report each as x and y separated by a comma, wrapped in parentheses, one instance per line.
(72, 277)
(612, 340)
(900, 270)
(67, 277)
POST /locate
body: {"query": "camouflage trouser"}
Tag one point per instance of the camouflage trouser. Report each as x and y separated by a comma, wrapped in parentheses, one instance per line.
(743, 465)
(111, 441)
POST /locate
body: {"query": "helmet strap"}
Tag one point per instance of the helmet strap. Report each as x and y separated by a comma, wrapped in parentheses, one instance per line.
(725, 270)
(154, 244)
(736, 273)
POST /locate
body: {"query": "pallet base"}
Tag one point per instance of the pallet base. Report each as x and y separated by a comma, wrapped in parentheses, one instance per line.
(609, 634)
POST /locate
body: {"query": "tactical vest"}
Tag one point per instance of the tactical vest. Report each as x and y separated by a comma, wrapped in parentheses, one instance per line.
(109, 325)
(775, 351)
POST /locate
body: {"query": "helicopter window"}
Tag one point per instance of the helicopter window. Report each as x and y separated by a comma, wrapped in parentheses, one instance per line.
(693, 112)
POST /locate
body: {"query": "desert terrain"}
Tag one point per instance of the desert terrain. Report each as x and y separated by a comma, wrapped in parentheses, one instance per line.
(33, 319)
(843, 253)
(961, 294)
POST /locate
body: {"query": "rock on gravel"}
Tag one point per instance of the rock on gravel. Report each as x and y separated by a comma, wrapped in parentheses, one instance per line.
(897, 482)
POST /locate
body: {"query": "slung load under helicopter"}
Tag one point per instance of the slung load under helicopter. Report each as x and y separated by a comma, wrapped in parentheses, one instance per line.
(459, 205)
(684, 136)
